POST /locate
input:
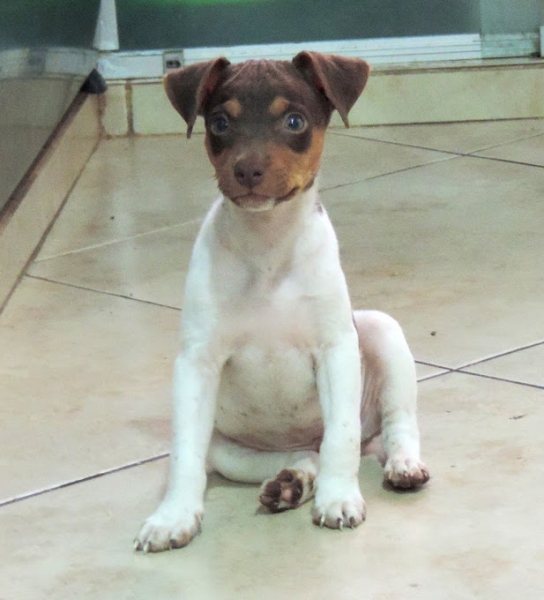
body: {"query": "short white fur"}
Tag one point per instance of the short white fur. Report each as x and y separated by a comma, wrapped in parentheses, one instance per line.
(276, 371)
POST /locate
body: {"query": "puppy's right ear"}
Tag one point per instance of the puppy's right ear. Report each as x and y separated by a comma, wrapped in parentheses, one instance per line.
(188, 88)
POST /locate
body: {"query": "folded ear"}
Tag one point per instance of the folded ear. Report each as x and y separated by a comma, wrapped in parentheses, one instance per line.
(188, 88)
(340, 79)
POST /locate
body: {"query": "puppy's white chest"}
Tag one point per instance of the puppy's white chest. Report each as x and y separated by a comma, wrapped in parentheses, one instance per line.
(267, 397)
(274, 312)
(266, 295)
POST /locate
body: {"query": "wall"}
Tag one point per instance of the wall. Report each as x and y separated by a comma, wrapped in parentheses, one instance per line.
(150, 24)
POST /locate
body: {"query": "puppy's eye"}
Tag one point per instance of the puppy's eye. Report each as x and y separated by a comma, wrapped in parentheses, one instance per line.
(219, 125)
(295, 122)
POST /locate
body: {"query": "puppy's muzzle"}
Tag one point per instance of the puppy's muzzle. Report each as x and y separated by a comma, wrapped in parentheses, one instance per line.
(249, 171)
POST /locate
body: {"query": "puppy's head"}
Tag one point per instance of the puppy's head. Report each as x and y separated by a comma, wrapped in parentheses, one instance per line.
(266, 120)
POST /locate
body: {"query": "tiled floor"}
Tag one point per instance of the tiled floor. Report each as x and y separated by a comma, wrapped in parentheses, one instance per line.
(440, 225)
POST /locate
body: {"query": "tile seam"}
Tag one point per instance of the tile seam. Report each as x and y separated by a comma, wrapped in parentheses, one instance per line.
(499, 355)
(118, 240)
(501, 379)
(103, 292)
(403, 170)
(72, 482)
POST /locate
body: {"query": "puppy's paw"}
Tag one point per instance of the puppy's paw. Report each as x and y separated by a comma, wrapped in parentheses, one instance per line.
(405, 473)
(338, 505)
(167, 529)
(289, 489)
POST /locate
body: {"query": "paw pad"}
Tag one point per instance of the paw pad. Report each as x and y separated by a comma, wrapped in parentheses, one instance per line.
(289, 489)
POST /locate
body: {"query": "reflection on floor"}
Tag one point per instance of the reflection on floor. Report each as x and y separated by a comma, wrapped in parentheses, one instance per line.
(439, 225)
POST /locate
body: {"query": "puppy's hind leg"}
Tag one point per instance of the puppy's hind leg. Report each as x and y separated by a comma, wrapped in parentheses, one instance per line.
(288, 477)
(390, 398)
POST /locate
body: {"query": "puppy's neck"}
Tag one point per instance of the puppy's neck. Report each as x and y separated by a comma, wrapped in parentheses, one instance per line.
(270, 232)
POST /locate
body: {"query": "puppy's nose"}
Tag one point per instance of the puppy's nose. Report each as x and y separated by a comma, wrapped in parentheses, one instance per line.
(249, 172)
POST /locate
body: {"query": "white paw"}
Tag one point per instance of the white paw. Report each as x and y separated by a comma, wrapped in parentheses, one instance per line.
(168, 528)
(338, 504)
(405, 472)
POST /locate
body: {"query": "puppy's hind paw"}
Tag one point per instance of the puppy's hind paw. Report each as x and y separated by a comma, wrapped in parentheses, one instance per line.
(405, 473)
(289, 489)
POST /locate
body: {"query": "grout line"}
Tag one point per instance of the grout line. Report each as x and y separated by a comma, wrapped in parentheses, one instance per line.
(403, 144)
(460, 371)
(72, 482)
(460, 153)
(130, 108)
(505, 160)
(500, 355)
(428, 364)
(118, 240)
(103, 292)
(434, 376)
(443, 370)
(503, 379)
(403, 170)
(514, 141)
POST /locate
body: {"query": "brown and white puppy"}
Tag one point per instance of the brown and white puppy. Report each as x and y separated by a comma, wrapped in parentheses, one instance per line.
(278, 381)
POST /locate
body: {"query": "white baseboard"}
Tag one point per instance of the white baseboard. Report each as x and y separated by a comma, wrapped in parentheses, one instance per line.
(391, 51)
(508, 45)
(39, 62)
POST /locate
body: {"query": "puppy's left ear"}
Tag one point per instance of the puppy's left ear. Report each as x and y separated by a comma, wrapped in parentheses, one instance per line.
(188, 88)
(340, 79)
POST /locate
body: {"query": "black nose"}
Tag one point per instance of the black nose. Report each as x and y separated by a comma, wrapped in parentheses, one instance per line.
(249, 172)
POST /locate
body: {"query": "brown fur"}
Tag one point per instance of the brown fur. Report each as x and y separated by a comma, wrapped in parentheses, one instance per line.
(266, 120)
(285, 170)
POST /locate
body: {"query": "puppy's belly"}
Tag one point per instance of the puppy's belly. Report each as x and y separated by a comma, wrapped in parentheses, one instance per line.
(268, 399)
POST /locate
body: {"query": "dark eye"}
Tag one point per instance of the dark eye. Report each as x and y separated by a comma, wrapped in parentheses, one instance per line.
(219, 125)
(295, 122)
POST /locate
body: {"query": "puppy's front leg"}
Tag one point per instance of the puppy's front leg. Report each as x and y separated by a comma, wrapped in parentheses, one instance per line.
(338, 499)
(178, 518)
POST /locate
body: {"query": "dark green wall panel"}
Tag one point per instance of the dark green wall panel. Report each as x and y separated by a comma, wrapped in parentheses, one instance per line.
(35, 23)
(148, 24)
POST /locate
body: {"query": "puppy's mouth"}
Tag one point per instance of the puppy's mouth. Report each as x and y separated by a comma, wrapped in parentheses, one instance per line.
(259, 202)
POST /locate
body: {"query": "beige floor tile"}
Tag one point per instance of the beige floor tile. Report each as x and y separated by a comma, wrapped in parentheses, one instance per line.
(474, 532)
(82, 250)
(85, 384)
(530, 151)
(133, 186)
(150, 267)
(431, 245)
(461, 137)
(453, 250)
(524, 366)
(138, 185)
(349, 159)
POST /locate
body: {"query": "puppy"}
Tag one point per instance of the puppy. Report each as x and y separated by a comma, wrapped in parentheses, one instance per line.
(278, 380)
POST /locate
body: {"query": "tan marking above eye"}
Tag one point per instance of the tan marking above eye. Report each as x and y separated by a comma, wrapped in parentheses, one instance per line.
(233, 108)
(279, 106)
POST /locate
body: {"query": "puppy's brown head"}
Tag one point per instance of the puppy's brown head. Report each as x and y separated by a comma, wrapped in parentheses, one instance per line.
(266, 120)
